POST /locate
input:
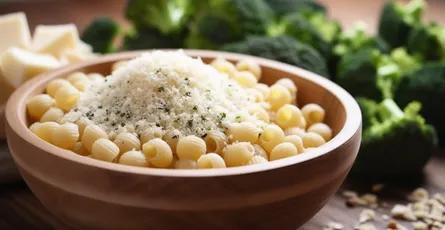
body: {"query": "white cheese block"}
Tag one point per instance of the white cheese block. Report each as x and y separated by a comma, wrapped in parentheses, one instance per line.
(84, 47)
(20, 65)
(53, 39)
(14, 31)
(73, 56)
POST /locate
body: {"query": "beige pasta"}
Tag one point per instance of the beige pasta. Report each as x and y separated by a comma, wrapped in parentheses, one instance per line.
(238, 154)
(297, 141)
(96, 77)
(186, 164)
(313, 113)
(54, 86)
(245, 79)
(259, 112)
(172, 138)
(290, 85)
(272, 136)
(210, 160)
(82, 123)
(251, 66)
(289, 116)
(312, 140)
(224, 66)
(294, 131)
(127, 141)
(104, 150)
(151, 134)
(117, 65)
(322, 129)
(45, 130)
(190, 147)
(133, 158)
(91, 134)
(80, 149)
(53, 114)
(34, 127)
(77, 76)
(38, 105)
(158, 153)
(264, 89)
(266, 105)
(82, 85)
(65, 136)
(244, 132)
(283, 150)
(255, 160)
(215, 142)
(278, 97)
(272, 116)
(259, 151)
(66, 97)
(255, 94)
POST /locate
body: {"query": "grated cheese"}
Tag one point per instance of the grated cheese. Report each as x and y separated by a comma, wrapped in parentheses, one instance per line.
(167, 90)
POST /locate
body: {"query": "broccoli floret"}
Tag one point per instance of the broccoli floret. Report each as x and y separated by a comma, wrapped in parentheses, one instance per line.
(168, 17)
(395, 142)
(281, 7)
(397, 21)
(149, 38)
(426, 85)
(368, 73)
(100, 34)
(428, 41)
(368, 108)
(283, 49)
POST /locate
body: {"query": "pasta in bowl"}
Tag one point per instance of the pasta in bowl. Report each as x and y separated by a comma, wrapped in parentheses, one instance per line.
(237, 137)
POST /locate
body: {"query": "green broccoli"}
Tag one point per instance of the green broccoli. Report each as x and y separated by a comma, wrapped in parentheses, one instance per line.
(427, 85)
(149, 38)
(394, 142)
(284, 49)
(428, 41)
(368, 73)
(397, 21)
(281, 7)
(100, 34)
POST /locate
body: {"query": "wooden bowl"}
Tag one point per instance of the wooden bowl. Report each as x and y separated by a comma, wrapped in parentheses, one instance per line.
(283, 194)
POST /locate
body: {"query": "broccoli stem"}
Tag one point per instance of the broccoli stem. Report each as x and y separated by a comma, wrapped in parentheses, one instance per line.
(388, 109)
(413, 10)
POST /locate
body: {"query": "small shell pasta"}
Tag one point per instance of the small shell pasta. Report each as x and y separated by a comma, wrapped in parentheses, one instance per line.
(151, 134)
(185, 164)
(133, 158)
(279, 96)
(104, 150)
(80, 149)
(256, 95)
(259, 151)
(272, 136)
(81, 85)
(290, 85)
(312, 140)
(65, 136)
(297, 141)
(82, 123)
(158, 153)
(244, 132)
(117, 65)
(259, 112)
(53, 114)
(322, 129)
(283, 150)
(38, 105)
(127, 142)
(172, 138)
(66, 97)
(54, 86)
(34, 127)
(313, 113)
(224, 66)
(45, 130)
(251, 66)
(289, 116)
(191, 147)
(264, 89)
(294, 131)
(255, 160)
(77, 76)
(215, 142)
(91, 134)
(245, 79)
(210, 160)
(238, 154)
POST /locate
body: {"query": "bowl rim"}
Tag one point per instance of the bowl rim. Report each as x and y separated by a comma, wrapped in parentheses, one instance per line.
(16, 103)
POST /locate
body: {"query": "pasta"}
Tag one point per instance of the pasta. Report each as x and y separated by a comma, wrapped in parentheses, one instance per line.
(259, 151)
(77, 76)
(81, 85)
(105, 150)
(65, 136)
(134, 158)
(151, 134)
(251, 66)
(82, 123)
(190, 147)
(186, 164)
(66, 97)
(45, 130)
(244, 132)
(272, 136)
(322, 129)
(224, 66)
(312, 140)
(297, 141)
(313, 113)
(259, 112)
(38, 105)
(210, 160)
(289, 116)
(278, 96)
(256, 94)
(52, 114)
(294, 131)
(127, 142)
(172, 138)
(245, 79)
(91, 134)
(264, 89)
(238, 154)
(290, 85)
(34, 127)
(158, 153)
(80, 149)
(54, 86)
(215, 142)
(283, 150)
(257, 160)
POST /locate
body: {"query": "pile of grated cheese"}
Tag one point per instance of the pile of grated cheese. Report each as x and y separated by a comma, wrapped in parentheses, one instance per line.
(164, 90)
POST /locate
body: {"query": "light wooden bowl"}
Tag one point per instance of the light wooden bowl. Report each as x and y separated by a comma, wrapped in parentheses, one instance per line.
(284, 194)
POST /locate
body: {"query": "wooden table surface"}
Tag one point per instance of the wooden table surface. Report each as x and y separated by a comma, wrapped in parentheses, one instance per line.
(19, 208)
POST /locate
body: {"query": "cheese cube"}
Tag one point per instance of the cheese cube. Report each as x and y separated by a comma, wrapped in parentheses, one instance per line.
(6, 89)
(19, 65)
(84, 47)
(14, 31)
(73, 56)
(53, 39)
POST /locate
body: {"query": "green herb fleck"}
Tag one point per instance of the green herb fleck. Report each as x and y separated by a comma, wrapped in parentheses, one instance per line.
(195, 107)
(161, 89)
